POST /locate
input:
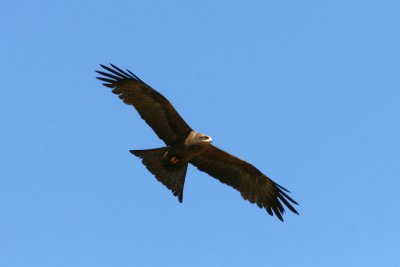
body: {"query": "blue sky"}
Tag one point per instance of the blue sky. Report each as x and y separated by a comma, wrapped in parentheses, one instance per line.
(307, 91)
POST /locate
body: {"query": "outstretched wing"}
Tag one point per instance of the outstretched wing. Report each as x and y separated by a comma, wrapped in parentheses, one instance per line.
(154, 108)
(248, 180)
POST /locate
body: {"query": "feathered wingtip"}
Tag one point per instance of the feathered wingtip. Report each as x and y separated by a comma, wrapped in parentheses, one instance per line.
(278, 209)
(115, 75)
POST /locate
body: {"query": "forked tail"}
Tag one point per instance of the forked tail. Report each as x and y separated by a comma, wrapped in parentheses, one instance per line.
(173, 178)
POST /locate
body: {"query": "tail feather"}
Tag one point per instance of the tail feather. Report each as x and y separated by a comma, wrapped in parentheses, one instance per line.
(172, 178)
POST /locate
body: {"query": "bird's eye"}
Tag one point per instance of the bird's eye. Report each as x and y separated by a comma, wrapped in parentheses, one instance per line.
(205, 137)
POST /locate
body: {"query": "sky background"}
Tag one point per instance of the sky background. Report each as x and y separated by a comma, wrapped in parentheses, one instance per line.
(307, 91)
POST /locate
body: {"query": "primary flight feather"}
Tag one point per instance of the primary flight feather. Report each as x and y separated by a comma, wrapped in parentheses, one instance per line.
(184, 145)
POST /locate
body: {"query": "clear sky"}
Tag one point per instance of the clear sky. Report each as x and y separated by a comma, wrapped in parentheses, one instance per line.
(307, 91)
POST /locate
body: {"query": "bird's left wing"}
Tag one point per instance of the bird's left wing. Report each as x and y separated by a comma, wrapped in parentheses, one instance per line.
(253, 185)
(153, 107)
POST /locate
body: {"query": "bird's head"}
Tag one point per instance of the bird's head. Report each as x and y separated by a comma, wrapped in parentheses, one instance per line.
(201, 139)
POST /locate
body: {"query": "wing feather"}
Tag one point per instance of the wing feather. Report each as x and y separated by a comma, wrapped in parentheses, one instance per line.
(253, 185)
(153, 107)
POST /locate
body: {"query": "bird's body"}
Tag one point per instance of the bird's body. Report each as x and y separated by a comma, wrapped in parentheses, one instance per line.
(190, 147)
(186, 146)
(194, 145)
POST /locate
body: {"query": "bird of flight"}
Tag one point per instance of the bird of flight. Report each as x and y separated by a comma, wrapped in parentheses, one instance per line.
(184, 145)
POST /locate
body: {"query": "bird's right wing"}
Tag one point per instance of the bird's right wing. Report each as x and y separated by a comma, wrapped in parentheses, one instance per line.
(154, 108)
(253, 185)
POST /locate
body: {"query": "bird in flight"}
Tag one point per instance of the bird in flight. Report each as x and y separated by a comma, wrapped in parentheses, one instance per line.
(184, 145)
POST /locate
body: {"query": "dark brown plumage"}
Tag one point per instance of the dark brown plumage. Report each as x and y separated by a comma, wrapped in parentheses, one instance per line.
(184, 145)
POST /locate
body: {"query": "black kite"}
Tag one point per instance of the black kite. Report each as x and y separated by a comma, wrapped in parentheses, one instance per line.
(184, 145)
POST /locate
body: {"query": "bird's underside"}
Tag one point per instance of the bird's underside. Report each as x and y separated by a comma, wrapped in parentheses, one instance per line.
(184, 145)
